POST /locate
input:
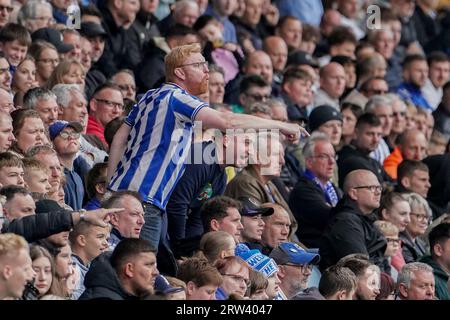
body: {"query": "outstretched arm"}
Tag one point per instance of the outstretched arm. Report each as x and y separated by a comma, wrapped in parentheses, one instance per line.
(224, 120)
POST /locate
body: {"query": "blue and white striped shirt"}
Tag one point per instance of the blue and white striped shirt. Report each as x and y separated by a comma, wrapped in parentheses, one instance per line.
(160, 137)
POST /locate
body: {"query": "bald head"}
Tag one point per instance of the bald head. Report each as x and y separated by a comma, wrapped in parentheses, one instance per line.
(277, 50)
(332, 79)
(259, 63)
(330, 20)
(357, 178)
(413, 145)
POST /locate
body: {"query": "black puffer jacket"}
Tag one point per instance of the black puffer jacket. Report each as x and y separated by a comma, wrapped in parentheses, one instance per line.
(40, 226)
(350, 231)
(102, 283)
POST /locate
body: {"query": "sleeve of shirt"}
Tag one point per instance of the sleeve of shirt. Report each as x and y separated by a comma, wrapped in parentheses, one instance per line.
(131, 118)
(186, 106)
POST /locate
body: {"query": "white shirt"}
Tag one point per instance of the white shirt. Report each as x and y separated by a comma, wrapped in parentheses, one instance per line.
(432, 94)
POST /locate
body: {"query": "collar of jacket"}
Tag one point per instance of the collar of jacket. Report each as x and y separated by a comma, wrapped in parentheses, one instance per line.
(349, 205)
(145, 17)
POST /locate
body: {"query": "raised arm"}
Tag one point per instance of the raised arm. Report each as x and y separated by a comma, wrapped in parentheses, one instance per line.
(225, 120)
(117, 149)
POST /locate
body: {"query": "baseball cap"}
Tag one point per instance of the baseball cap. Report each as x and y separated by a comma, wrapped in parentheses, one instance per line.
(91, 29)
(54, 37)
(251, 207)
(301, 57)
(289, 252)
(163, 286)
(322, 114)
(58, 126)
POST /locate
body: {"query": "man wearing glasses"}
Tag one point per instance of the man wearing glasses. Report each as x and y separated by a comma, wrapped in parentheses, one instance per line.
(295, 266)
(351, 229)
(160, 126)
(105, 105)
(66, 140)
(5, 11)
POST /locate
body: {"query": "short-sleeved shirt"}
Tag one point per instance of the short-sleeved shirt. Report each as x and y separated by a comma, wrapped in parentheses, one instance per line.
(160, 137)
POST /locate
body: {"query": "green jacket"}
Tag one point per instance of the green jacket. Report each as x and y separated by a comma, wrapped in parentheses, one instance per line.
(440, 278)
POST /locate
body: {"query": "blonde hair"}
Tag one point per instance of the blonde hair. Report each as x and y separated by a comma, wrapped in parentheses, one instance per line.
(61, 70)
(176, 283)
(177, 56)
(213, 243)
(387, 228)
(10, 244)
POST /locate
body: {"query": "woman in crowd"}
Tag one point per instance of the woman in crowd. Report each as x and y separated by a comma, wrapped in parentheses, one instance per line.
(44, 267)
(46, 57)
(413, 246)
(25, 76)
(68, 72)
(29, 130)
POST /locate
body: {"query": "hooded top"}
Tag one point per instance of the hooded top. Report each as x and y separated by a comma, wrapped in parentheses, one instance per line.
(102, 282)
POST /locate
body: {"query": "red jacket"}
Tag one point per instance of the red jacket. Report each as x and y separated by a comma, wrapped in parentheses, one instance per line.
(95, 128)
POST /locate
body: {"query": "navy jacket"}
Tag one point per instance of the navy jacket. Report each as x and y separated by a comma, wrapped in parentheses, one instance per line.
(199, 183)
(102, 282)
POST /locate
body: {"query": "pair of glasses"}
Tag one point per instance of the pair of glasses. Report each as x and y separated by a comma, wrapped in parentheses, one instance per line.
(421, 217)
(326, 157)
(111, 104)
(237, 278)
(65, 135)
(9, 9)
(198, 65)
(373, 189)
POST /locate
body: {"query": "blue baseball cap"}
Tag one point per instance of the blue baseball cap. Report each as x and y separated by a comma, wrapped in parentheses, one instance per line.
(163, 286)
(55, 128)
(289, 252)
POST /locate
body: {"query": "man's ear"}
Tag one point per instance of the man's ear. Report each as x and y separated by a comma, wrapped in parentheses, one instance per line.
(352, 194)
(60, 110)
(179, 73)
(81, 240)
(129, 270)
(6, 213)
(342, 295)
(6, 272)
(437, 250)
(403, 290)
(190, 287)
(114, 219)
(214, 225)
(405, 182)
(281, 272)
(93, 105)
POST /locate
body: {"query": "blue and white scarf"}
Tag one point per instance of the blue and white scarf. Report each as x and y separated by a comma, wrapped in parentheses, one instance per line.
(328, 190)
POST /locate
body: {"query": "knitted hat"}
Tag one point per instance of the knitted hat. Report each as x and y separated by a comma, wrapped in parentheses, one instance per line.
(322, 114)
(256, 260)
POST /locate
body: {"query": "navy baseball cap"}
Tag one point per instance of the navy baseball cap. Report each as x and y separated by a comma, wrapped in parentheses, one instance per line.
(59, 125)
(289, 252)
(54, 37)
(163, 286)
(251, 207)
